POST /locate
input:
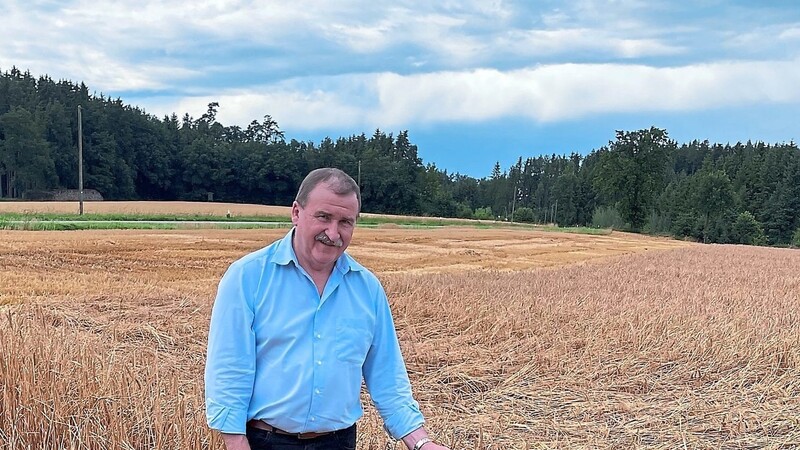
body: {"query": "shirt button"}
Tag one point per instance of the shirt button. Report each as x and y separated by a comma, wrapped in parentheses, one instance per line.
(319, 336)
(317, 391)
(313, 419)
(319, 363)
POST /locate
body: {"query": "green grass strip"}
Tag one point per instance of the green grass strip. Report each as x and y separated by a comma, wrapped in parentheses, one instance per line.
(51, 221)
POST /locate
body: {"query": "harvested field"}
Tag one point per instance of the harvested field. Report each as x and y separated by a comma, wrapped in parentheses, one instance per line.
(112, 207)
(164, 207)
(513, 339)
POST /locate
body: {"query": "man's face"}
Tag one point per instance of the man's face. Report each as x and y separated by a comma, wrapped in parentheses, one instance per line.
(323, 228)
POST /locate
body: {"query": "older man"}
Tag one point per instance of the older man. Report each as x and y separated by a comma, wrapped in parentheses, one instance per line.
(294, 328)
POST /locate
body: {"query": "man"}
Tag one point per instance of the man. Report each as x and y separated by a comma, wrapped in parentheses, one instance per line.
(294, 328)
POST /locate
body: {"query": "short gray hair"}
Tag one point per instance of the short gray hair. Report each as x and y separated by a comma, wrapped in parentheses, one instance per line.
(339, 182)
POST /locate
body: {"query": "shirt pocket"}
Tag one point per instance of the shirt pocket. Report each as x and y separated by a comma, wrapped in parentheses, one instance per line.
(353, 339)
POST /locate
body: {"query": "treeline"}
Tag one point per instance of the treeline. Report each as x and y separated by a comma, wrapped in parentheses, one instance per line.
(642, 181)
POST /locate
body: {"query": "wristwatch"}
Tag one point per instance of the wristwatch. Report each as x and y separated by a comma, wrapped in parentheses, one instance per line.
(421, 442)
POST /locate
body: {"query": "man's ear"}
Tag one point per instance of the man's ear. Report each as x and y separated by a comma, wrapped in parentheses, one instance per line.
(295, 212)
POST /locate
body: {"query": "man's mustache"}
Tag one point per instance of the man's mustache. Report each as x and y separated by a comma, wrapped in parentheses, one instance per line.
(322, 237)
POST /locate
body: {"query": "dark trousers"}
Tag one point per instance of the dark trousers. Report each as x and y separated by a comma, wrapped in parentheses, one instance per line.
(269, 440)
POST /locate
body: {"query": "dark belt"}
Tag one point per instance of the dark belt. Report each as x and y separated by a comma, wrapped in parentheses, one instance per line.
(261, 425)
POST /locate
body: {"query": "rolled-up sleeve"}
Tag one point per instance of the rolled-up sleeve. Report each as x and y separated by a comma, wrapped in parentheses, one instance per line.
(230, 361)
(386, 376)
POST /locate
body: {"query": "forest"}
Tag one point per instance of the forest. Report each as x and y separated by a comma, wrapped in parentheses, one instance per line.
(747, 192)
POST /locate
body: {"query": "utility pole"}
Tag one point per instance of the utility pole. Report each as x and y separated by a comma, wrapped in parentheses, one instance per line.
(80, 162)
(514, 202)
(359, 174)
(555, 214)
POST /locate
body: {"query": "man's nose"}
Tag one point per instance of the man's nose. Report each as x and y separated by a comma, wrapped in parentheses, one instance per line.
(333, 231)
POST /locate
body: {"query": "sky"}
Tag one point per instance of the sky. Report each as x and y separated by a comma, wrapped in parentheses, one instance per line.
(474, 82)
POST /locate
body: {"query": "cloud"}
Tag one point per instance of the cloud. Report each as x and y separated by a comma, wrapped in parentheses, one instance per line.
(404, 62)
(87, 43)
(128, 45)
(567, 91)
(790, 34)
(100, 71)
(576, 40)
(148, 44)
(752, 40)
(547, 93)
(314, 109)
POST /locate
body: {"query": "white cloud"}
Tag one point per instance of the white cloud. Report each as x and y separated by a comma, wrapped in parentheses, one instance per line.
(636, 48)
(565, 91)
(100, 71)
(129, 43)
(85, 44)
(792, 33)
(544, 94)
(292, 109)
(762, 40)
(180, 49)
(573, 40)
(362, 39)
(438, 34)
(131, 34)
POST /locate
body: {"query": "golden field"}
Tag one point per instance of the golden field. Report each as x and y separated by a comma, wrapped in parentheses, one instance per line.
(218, 209)
(178, 208)
(146, 207)
(513, 338)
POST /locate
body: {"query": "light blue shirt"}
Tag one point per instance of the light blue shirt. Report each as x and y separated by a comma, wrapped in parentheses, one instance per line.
(280, 352)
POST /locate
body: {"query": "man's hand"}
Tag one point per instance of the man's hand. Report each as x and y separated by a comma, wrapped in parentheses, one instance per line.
(235, 441)
(412, 438)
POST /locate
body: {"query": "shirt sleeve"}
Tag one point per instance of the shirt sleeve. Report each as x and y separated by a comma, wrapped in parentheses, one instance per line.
(386, 377)
(230, 361)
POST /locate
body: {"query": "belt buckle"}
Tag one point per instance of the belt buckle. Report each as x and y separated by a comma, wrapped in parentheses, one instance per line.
(258, 423)
(309, 435)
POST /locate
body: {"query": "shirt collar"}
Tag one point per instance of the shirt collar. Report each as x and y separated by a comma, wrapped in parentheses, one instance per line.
(284, 254)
